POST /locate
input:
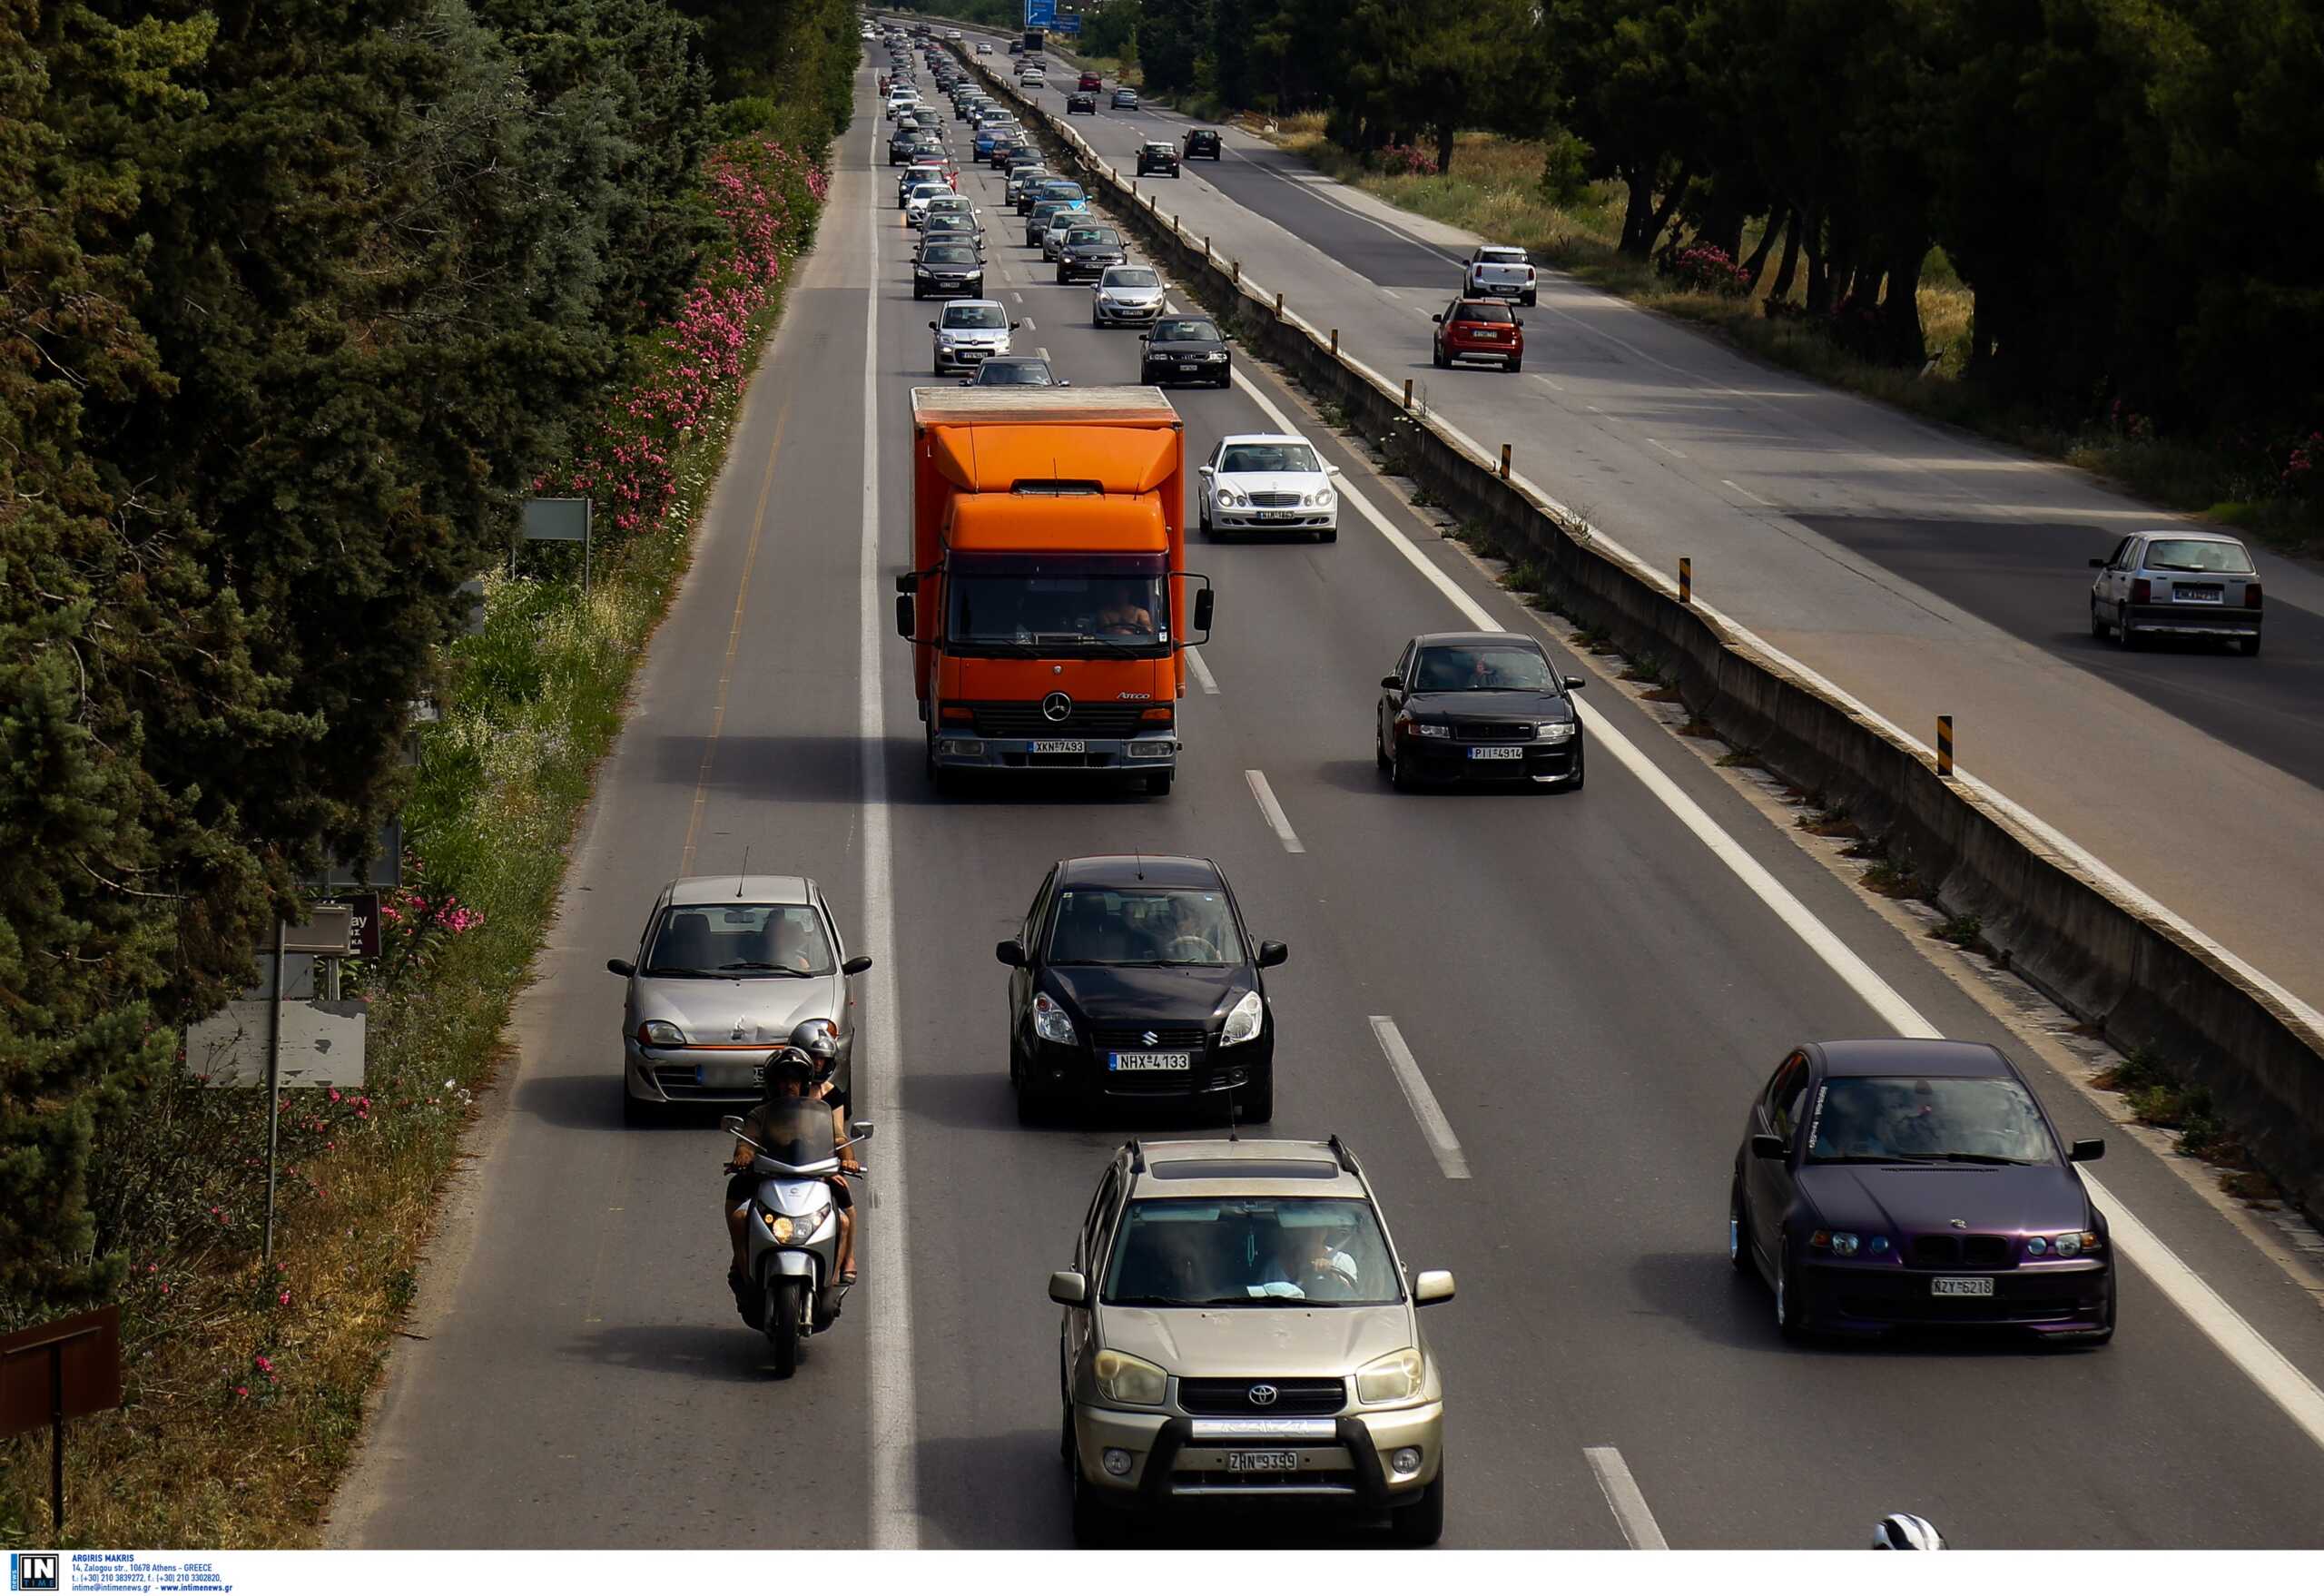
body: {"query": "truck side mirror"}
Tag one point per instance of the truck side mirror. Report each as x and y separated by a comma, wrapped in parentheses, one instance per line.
(908, 581)
(904, 614)
(1204, 605)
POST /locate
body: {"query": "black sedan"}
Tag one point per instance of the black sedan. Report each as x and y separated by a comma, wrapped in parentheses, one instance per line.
(1133, 979)
(1081, 104)
(1086, 251)
(1478, 706)
(1185, 348)
(1898, 1183)
(1156, 156)
(942, 269)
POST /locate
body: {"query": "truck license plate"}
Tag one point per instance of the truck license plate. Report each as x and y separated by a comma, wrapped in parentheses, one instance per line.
(1261, 1462)
(1511, 753)
(1962, 1285)
(1153, 1060)
(1060, 745)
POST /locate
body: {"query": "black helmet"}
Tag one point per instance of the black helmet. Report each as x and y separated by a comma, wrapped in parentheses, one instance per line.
(818, 1039)
(789, 1063)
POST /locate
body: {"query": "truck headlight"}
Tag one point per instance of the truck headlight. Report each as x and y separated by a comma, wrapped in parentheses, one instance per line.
(1051, 1023)
(1243, 1019)
(1123, 1378)
(1394, 1378)
(661, 1033)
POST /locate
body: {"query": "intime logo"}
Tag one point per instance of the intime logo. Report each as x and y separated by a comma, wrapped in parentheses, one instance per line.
(34, 1570)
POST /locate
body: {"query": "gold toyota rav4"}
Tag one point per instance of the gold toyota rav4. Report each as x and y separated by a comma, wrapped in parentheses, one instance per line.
(1238, 1331)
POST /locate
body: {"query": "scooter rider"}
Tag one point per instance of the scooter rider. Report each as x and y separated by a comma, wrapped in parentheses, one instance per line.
(819, 1040)
(792, 1119)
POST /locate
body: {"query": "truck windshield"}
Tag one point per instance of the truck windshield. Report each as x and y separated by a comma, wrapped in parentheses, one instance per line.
(1047, 610)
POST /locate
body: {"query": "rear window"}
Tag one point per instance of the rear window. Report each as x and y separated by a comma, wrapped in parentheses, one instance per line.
(1498, 315)
(2197, 554)
(1501, 257)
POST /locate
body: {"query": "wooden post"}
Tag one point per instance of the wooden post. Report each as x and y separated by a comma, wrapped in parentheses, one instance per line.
(1505, 462)
(1278, 304)
(1685, 580)
(1238, 271)
(1944, 745)
(1408, 393)
(1335, 343)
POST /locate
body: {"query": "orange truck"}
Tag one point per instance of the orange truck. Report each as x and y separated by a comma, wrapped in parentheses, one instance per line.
(1048, 603)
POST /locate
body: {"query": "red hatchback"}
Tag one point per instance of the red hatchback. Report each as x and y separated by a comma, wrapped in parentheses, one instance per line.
(1480, 330)
(1091, 80)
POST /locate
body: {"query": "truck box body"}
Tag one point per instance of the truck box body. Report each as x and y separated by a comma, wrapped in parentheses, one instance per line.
(1049, 602)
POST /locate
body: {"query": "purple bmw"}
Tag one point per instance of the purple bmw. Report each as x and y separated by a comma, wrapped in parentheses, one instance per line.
(1889, 1184)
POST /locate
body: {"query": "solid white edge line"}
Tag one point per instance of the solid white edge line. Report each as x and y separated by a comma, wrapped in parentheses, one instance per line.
(2211, 1314)
(893, 1511)
(1626, 1499)
(1433, 1126)
(1201, 668)
(1277, 820)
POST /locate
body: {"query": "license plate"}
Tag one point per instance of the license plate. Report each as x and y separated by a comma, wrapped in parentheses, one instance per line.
(2196, 595)
(731, 1077)
(1061, 746)
(1488, 335)
(1496, 753)
(1261, 1462)
(1151, 1061)
(1278, 515)
(1962, 1285)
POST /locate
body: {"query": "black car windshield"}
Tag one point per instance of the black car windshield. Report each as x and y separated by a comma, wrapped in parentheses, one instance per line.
(1015, 374)
(1092, 235)
(1872, 1119)
(1481, 667)
(1107, 612)
(949, 255)
(1186, 331)
(1144, 925)
(739, 939)
(2197, 554)
(1251, 1252)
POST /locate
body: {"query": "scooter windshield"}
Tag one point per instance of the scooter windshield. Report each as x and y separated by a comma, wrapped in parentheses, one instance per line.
(793, 1130)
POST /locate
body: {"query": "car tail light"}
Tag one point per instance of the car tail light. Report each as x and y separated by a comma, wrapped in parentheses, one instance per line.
(2250, 595)
(2142, 590)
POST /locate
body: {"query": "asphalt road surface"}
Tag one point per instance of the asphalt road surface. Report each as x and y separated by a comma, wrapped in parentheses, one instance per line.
(1589, 991)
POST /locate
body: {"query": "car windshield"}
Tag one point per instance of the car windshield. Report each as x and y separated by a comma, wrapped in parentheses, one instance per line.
(2197, 554)
(949, 255)
(1091, 235)
(1144, 925)
(1481, 667)
(1014, 374)
(1186, 331)
(1496, 315)
(1158, 149)
(1239, 458)
(1062, 191)
(739, 939)
(925, 191)
(1131, 277)
(1251, 1252)
(1884, 1119)
(1048, 608)
(983, 317)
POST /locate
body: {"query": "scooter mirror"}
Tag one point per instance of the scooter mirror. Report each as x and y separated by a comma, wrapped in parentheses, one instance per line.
(731, 1124)
(861, 1129)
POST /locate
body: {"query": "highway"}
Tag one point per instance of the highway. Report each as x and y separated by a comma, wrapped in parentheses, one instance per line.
(1922, 570)
(1589, 992)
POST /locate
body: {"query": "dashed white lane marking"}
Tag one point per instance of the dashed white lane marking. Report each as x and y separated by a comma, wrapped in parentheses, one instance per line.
(1277, 822)
(1195, 663)
(1553, 387)
(1433, 1126)
(1626, 1499)
(1747, 493)
(1665, 447)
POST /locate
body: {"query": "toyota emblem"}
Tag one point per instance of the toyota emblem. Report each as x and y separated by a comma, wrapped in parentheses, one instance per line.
(1056, 707)
(1150, 1037)
(1264, 1395)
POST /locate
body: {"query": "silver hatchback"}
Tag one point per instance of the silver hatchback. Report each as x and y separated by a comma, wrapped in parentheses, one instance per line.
(2177, 584)
(726, 968)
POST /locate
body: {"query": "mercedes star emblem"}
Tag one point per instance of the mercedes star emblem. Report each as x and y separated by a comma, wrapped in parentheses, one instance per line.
(1264, 1395)
(1056, 707)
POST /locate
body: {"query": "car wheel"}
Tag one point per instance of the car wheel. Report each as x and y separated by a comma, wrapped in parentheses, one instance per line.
(1791, 1315)
(1379, 745)
(1527, 300)
(1158, 783)
(1062, 276)
(1404, 771)
(1227, 378)
(2126, 635)
(1328, 535)
(916, 294)
(1516, 363)
(1096, 1521)
(635, 1110)
(1422, 1524)
(1739, 1248)
(1203, 515)
(1572, 784)
(2098, 628)
(1436, 356)
(1097, 321)
(1256, 1102)
(2251, 647)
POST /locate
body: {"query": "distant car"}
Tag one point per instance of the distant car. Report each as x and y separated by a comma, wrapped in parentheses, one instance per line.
(1022, 175)
(1030, 80)
(1127, 295)
(943, 268)
(1063, 222)
(1478, 329)
(1185, 348)
(1037, 219)
(1134, 980)
(1014, 371)
(1267, 482)
(2199, 585)
(983, 49)
(1125, 98)
(1086, 251)
(952, 227)
(1009, 147)
(1016, 48)
(916, 202)
(1907, 1183)
(1201, 143)
(1499, 271)
(1091, 81)
(1081, 104)
(724, 969)
(1478, 706)
(1048, 188)
(968, 332)
(920, 172)
(1157, 157)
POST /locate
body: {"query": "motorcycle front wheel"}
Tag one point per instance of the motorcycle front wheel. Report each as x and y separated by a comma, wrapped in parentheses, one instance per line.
(782, 1295)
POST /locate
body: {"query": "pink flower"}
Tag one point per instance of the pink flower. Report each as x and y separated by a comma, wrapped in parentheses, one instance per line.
(285, 1300)
(334, 1094)
(265, 1364)
(241, 1391)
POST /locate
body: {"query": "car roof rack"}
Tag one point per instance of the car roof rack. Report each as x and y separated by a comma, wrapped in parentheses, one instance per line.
(1346, 1158)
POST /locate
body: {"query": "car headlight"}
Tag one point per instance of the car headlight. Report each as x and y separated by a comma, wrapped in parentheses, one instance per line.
(1123, 1378)
(1394, 1378)
(661, 1033)
(1554, 732)
(2073, 1243)
(1233, 497)
(1321, 498)
(1423, 729)
(1243, 1019)
(1051, 1023)
(1846, 1242)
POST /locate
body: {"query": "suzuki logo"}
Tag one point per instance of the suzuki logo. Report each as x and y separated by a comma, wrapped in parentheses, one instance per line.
(1264, 1395)
(1056, 707)
(1150, 1037)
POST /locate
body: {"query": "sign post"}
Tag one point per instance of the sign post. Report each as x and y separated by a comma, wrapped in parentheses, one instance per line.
(329, 933)
(65, 1369)
(563, 520)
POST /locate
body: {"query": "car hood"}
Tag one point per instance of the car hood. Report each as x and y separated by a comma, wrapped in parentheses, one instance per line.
(1127, 291)
(1093, 251)
(1905, 1201)
(763, 1011)
(1113, 994)
(1280, 1342)
(1492, 707)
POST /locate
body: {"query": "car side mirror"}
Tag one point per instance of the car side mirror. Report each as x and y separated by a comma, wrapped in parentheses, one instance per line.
(1067, 1289)
(1392, 683)
(1010, 952)
(1438, 317)
(1432, 1286)
(1333, 471)
(1146, 337)
(1065, 382)
(2098, 565)
(932, 327)
(1575, 683)
(621, 967)
(965, 382)
(903, 605)
(1769, 1146)
(857, 965)
(1202, 470)
(2089, 1150)
(1272, 954)
(861, 1131)
(731, 1124)
(1013, 325)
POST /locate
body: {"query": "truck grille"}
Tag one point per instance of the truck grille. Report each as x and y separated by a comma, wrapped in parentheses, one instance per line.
(1085, 720)
(1293, 1399)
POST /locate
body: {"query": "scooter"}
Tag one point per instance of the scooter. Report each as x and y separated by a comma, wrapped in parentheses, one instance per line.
(793, 1236)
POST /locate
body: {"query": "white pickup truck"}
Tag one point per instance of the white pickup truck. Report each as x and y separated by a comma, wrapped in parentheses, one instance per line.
(1500, 272)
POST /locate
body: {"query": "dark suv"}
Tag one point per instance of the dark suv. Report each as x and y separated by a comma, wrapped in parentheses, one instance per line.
(1157, 157)
(1201, 143)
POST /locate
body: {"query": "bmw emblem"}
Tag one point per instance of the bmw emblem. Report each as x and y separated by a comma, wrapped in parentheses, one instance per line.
(1264, 1395)
(1056, 707)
